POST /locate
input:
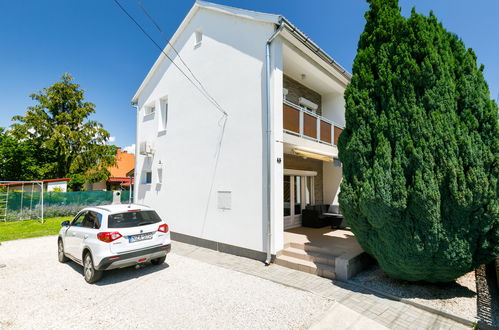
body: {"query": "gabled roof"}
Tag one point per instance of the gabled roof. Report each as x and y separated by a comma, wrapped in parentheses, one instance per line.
(125, 162)
(246, 14)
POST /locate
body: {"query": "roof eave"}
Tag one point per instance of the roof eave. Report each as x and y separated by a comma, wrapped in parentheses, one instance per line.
(243, 13)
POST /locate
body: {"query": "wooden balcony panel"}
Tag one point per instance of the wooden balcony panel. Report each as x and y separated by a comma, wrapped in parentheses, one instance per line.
(309, 125)
(325, 132)
(337, 132)
(291, 119)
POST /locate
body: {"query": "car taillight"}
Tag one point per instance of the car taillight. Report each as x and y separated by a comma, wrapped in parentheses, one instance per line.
(163, 228)
(108, 237)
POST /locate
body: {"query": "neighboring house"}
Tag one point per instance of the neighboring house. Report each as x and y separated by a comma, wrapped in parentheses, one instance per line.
(59, 185)
(119, 178)
(239, 181)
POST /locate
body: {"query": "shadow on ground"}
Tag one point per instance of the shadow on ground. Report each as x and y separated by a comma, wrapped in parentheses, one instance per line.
(375, 278)
(114, 276)
(488, 297)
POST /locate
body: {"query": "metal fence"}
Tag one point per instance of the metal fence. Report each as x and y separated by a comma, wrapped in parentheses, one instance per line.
(27, 205)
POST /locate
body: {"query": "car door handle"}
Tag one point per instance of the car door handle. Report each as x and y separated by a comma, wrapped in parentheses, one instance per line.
(74, 234)
(85, 237)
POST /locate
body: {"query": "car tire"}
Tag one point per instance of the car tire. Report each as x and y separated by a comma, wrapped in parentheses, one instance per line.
(60, 252)
(91, 274)
(158, 261)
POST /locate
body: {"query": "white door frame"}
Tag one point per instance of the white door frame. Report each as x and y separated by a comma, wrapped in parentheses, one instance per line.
(293, 218)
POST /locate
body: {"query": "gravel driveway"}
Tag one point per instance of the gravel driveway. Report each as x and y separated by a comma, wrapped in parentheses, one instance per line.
(36, 291)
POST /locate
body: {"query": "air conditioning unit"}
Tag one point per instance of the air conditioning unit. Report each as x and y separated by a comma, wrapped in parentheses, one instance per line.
(146, 148)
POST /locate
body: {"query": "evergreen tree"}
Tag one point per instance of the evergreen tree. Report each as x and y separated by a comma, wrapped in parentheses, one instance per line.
(420, 149)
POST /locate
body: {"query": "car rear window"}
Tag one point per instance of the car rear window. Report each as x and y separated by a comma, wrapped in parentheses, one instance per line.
(133, 219)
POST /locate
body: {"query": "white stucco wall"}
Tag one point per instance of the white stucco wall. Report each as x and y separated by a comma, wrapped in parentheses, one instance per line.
(200, 157)
(332, 180)
(333, 107)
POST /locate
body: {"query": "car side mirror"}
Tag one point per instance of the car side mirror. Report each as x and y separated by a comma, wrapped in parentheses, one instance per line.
(65, 224)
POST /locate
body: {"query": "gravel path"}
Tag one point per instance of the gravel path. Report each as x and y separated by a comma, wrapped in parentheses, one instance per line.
(37, 291)
(457, 298)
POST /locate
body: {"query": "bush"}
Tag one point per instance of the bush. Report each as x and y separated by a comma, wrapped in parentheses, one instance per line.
(420, 149)
(48, 212)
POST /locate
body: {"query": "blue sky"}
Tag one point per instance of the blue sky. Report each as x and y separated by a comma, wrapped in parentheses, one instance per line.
(108, 56)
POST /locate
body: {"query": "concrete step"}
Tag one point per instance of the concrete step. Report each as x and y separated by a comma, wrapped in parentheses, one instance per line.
(315, 257)
(328, 250)
(306, 266)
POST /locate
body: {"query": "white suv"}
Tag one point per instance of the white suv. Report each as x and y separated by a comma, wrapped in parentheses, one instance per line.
(113, 236)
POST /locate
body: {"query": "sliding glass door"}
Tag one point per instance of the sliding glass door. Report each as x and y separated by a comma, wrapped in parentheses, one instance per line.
(298, 193)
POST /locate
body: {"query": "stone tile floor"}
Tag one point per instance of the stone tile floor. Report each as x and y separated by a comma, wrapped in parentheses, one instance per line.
(385, 312)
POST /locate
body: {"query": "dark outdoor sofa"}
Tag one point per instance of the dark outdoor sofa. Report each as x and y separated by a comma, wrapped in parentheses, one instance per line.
(317, 216)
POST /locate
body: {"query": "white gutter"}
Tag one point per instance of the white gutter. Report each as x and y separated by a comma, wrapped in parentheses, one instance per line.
(269, 141)
(135, 177)
(303, 38)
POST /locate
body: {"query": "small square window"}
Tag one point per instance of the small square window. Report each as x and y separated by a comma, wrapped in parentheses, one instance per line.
(149, 110)
(148, 177)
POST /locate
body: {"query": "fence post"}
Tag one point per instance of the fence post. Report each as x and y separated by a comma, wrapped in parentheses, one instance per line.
(41, 189)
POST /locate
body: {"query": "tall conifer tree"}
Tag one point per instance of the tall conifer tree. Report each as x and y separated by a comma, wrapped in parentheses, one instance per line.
(420, 149)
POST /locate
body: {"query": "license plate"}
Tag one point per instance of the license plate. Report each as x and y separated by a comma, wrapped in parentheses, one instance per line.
(139, 237)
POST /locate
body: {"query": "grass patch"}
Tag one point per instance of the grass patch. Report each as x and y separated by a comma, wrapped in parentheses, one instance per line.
(30, 228)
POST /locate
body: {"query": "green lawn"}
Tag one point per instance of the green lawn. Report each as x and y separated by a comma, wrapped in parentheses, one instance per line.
(30, 228)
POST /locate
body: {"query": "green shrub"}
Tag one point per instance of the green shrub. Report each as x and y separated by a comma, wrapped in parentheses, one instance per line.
(420, 149)
(48, 212)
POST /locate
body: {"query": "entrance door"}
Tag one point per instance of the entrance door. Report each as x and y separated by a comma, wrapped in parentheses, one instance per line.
(298, 193)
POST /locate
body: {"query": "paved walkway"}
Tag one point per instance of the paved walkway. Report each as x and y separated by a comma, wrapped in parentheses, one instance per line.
(355, 308)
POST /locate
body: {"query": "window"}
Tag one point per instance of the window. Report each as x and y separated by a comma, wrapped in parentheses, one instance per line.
(199, 38)
(148, 177)
(149, 110)
(78, 221)
(92, 220)
(163, 118)
(133, 219)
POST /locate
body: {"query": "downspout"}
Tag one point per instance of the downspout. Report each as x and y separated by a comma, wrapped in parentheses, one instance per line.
(136, 106)
(269, 140)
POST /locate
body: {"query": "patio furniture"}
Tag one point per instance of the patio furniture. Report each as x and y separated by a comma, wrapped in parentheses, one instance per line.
(317, 216)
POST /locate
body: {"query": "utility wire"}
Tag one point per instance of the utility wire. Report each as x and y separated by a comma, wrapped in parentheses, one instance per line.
(201, 90)
(172, 47)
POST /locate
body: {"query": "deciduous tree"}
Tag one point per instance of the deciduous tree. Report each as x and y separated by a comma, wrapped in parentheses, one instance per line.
(59, 128)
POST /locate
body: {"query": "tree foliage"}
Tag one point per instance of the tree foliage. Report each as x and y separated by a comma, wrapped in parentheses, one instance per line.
(67, 143)
(17, 159)
(420, 149)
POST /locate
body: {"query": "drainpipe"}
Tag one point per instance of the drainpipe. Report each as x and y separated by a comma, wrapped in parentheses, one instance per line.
(134, 191)
(268, 112)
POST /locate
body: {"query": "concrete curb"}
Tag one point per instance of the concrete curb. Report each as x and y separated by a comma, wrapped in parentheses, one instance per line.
(456, 318)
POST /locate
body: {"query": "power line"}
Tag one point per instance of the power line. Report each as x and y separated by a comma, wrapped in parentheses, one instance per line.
(175, 50)
(201, 90)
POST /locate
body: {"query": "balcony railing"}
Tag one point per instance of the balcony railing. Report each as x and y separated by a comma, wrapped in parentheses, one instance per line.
(304, 123)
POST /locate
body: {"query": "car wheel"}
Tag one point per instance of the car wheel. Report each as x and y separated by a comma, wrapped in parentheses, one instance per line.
(91, 274)
(158, 261)
(60, 252)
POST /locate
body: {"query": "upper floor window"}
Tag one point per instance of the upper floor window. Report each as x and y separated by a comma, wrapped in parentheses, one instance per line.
(163, 117)
(149, 109)
(199, 38)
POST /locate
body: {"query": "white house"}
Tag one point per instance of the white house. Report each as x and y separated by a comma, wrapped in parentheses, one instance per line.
(229, 181)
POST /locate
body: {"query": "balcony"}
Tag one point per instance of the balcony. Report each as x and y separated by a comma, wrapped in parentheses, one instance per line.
(300, 121)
